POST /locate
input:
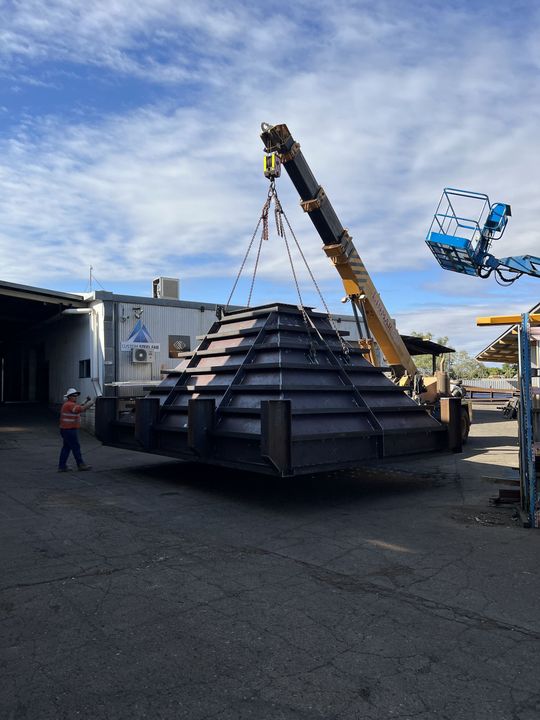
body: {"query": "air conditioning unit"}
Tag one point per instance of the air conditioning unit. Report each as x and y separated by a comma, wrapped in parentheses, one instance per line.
(142, 355)
(166, 288)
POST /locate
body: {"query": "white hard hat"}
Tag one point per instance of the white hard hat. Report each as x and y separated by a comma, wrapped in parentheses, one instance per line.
(71, 391)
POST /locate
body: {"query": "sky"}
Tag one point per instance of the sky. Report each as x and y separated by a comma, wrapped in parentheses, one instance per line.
(129, 143)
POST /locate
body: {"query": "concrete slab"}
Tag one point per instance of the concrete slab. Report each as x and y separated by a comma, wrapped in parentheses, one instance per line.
(154, 589)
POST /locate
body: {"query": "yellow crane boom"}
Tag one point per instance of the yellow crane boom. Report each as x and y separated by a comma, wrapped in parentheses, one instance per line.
(339, 247)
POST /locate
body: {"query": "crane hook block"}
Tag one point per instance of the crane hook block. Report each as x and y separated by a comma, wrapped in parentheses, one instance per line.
(272, 166)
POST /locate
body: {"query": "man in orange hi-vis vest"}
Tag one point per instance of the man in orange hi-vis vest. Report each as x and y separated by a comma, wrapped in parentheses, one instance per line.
(70, 422)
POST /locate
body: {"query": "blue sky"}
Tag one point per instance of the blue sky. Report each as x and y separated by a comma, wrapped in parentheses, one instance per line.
(129, 142)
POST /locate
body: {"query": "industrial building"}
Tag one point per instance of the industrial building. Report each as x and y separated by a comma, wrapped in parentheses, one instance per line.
(101, 342)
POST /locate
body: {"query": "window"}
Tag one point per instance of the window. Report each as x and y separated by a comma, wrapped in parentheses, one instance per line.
(84, 368)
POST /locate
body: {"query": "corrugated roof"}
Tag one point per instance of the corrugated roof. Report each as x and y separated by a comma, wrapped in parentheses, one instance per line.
(420, 346)
(27, 292)
(505, 348)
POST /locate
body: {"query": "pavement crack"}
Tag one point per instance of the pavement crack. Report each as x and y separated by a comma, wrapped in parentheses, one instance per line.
(64, 578)
(353, 584)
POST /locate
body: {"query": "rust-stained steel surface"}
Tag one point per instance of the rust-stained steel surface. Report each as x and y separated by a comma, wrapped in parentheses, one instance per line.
(268, 392)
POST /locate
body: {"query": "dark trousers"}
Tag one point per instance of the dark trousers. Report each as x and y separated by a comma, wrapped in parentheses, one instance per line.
(71, 444)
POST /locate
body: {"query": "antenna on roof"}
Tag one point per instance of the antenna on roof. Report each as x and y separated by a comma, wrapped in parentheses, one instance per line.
(91, 279)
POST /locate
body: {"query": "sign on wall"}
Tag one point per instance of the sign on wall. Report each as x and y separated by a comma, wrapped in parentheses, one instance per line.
(140, 338)
(178, 344)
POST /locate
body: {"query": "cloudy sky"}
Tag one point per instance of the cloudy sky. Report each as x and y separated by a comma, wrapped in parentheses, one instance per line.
(129, 142)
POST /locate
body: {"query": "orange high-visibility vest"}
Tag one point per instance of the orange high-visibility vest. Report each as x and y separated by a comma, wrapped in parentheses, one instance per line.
(70, 415)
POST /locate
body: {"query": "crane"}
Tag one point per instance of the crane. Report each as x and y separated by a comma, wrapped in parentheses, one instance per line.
(282, 149)
(366, 302)
(461, 233)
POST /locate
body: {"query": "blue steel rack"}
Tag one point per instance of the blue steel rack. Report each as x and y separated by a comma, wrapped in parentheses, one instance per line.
(527, 464)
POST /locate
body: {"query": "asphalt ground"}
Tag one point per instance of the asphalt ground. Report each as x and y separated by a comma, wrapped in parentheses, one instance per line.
(149, 588)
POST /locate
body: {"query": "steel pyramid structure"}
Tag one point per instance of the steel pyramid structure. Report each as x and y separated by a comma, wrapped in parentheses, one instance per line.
(269, 389)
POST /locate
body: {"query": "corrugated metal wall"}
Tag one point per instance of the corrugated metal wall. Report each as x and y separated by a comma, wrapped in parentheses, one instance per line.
(495, 383)
(162, 321)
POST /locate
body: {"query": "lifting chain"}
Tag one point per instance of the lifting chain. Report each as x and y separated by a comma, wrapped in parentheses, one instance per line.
(282, 221)
(264, 236)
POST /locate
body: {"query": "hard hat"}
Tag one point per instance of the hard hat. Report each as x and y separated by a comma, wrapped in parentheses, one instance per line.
(71, 391)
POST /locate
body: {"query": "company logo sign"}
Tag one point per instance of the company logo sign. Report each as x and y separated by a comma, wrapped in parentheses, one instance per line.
(140, 338)
(178, 344)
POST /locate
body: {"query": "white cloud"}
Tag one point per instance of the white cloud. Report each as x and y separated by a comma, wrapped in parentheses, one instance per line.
(163, 41)
(389, 108)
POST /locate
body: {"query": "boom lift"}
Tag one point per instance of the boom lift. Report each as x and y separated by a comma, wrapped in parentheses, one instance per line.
(366, 302)
(461, 233)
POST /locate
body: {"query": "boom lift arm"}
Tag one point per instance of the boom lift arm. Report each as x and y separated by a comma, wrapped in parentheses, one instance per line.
(339, 247)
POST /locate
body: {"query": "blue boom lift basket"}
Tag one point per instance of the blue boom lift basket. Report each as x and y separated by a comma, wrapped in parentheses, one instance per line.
(461, 241)
(462, 229)
(453, 253)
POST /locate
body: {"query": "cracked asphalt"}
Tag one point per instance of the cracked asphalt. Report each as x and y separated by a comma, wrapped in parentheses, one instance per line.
(149, 588)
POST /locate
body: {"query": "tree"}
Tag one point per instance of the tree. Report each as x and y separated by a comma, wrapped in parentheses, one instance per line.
(429, 336)
(464, 366)
(424, 363)
(460, 365)
(509, 370)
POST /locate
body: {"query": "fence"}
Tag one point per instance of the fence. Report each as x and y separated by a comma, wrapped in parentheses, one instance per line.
(491, 389)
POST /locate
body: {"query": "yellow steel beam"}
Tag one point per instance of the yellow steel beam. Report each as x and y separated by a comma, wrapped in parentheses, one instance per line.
(506, 320)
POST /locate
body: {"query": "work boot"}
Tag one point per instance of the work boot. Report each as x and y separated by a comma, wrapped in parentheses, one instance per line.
(66, 469)
(84, 466)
